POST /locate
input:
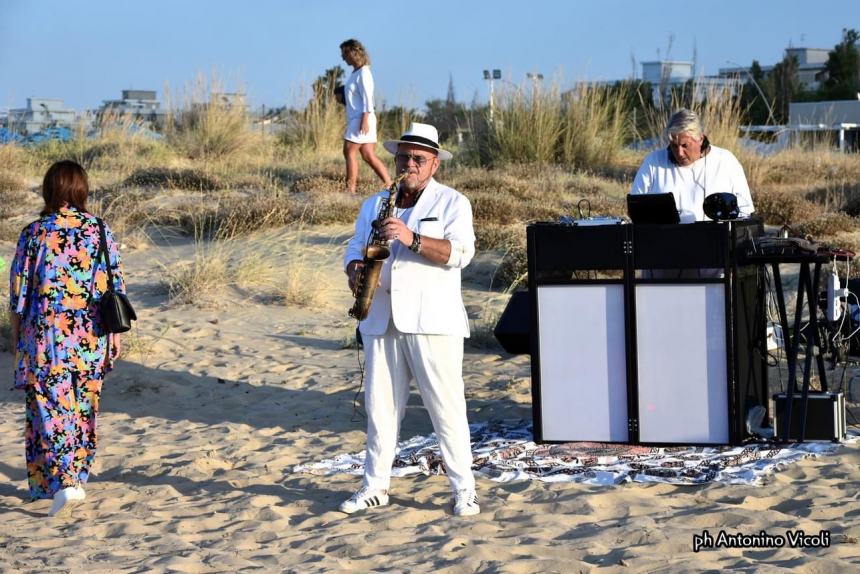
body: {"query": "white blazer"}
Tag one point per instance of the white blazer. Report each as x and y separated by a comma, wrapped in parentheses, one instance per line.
(424, 297)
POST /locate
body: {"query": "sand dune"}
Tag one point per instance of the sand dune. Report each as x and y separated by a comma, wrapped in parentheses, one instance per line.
(200, 432)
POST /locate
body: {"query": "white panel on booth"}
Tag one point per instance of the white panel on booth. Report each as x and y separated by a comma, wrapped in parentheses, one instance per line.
(583, 378)
(682, 370)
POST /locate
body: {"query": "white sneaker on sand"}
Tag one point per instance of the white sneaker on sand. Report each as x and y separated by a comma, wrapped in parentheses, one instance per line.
(466, 503)
(366, 497)
(65, 500)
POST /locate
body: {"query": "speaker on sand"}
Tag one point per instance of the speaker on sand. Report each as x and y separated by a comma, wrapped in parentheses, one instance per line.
(512, 330)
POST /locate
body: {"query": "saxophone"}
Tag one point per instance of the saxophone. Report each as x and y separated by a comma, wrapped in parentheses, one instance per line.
(375, 253)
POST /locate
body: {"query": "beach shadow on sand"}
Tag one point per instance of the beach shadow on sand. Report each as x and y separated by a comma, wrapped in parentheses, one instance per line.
(309, 408)
(310, 405)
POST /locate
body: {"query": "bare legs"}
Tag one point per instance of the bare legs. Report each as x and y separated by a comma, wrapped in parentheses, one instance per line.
(351, 151)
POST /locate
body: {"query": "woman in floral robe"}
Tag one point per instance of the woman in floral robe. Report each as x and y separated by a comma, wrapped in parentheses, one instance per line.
(62, 354)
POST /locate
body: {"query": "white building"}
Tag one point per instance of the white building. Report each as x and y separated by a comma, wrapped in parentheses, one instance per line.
(137, 104)
(663, 75)
(840, 118)
(40, 113)
(811, 65)
(667, 71)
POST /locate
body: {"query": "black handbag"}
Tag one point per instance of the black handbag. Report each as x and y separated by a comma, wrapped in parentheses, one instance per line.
(115, 309)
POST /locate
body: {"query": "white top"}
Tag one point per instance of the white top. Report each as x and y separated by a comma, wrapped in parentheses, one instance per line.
(358, 93)
(418, 295)
(718, 171)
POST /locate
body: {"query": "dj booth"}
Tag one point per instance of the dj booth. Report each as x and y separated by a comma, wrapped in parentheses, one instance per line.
(646, 334)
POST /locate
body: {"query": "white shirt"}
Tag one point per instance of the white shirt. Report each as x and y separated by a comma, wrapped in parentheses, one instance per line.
(358, 92)
(718, 171)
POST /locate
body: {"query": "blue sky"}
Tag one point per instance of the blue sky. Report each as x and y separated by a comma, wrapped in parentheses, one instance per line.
(86, 51)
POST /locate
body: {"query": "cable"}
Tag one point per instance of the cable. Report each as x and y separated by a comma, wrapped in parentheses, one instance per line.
(356, 410)
(772, 315)
(857, 330)
(842, 321)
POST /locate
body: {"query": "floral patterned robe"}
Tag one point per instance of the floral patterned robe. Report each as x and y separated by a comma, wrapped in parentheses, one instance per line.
(56, 280)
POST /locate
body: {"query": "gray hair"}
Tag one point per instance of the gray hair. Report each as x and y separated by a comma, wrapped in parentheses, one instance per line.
(684, 121)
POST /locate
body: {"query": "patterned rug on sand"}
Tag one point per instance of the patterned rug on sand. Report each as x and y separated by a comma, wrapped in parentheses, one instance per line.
(505, 451)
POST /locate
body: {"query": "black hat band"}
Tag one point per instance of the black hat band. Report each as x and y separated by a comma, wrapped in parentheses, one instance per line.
(420, 140)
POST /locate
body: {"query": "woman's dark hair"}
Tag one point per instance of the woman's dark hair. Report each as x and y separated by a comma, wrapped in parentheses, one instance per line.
(65, 183)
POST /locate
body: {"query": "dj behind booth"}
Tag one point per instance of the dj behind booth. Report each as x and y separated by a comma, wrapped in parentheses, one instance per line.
(654, 332)
(690, 168)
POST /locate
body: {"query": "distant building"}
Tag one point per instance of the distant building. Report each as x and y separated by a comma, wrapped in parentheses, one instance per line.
(829, 113)
(841, 118)
(224, 100)
(39, 115)
(229, 99)
(666, 71)
(663, 75)
(811, 67)
(140, 105)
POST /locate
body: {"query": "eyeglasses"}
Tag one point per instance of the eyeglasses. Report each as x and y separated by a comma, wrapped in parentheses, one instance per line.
(419, 160)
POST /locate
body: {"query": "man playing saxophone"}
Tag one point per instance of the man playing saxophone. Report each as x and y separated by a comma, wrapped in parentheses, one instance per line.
(416, 323)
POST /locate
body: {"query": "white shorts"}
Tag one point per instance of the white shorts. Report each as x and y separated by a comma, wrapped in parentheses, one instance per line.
(353, 127)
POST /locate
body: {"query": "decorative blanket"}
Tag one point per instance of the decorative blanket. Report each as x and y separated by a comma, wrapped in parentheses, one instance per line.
(505, 451)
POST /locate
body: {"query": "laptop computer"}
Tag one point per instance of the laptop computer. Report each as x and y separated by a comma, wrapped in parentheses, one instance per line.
(647, 208)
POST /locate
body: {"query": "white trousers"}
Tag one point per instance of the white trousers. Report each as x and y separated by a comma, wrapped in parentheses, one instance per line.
(436, 363)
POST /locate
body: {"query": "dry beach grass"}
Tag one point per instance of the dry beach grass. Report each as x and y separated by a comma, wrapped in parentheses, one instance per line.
(241, 367)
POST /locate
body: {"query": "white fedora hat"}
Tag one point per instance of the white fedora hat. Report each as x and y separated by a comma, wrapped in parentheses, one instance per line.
(423, 135)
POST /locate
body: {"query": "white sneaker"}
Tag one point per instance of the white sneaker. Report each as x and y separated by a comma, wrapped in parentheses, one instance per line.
(65, 500)
(466, 503)
(366, 497)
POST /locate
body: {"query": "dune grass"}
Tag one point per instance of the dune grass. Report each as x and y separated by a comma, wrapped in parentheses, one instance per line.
(317, 126)
(206, 126)
(583, 128)
(233, 261)
(222, 183)
(597, 124)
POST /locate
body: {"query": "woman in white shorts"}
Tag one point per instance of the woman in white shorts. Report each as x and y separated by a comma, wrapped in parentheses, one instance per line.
(360, 134)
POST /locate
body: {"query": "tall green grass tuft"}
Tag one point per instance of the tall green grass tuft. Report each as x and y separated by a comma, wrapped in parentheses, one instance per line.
(207, 126)
(111, 143)
(585, 127)
(15, 159)
(317, 126)
(597, 124)
(121, 144)
(525, 126)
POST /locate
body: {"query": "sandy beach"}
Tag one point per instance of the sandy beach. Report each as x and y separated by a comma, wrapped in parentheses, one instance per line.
(212, 406)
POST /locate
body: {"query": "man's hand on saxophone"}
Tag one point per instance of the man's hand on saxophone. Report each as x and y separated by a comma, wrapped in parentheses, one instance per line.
(435, 250)
(393, 229)
(352, 272)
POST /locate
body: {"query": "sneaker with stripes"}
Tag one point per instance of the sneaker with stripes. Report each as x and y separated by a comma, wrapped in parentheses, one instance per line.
(466, 503)
(366, 497)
